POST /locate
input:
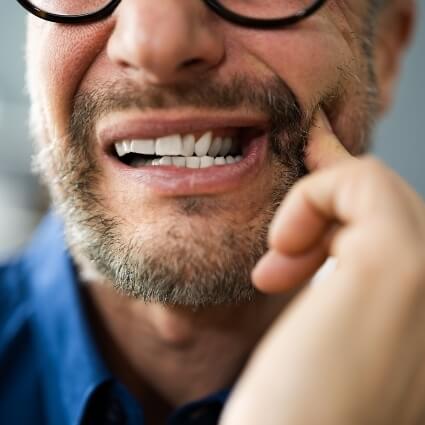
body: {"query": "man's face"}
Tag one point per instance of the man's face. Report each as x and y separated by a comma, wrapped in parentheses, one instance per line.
(153, 69)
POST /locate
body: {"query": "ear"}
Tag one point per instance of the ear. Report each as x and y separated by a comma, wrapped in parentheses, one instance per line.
(395, 26)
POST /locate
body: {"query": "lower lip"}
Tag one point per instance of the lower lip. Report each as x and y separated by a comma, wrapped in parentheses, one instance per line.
(166, 180)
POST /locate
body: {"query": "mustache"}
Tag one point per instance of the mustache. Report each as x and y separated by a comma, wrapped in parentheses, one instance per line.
(272, 97)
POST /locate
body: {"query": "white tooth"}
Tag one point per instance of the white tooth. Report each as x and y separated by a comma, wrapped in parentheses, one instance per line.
(238, 158)
(203, 144)
(155, 161)
(178, 161)
(207, 161)
(144, 147)
(169, 145)
(188, 145)
(230, 159)
(120, 148)
(219, 161)
(127, 146)
(193, 162)
(165, 160)
(215, 146)
(225, 147)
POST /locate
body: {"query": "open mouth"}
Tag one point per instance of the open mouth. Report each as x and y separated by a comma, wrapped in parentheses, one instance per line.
(184, 156)
(191, 150)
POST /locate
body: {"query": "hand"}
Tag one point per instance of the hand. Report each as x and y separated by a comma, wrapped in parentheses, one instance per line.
(351, 349)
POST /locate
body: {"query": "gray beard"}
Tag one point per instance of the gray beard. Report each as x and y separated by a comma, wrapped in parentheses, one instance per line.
(187, 269)
(193, 269)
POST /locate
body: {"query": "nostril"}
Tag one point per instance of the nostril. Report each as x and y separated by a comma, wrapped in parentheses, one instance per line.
(192, 63)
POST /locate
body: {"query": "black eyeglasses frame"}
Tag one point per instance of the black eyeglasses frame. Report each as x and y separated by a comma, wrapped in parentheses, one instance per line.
(214, 5)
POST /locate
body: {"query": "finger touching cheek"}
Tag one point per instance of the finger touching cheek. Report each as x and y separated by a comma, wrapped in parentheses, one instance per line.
(324, 149)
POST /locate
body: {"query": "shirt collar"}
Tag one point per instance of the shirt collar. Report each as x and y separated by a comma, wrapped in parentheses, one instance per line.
(70, 360)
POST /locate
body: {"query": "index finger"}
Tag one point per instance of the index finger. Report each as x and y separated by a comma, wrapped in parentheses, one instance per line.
(324, 148)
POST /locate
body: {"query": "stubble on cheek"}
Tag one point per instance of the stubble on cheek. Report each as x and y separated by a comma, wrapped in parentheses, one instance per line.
(57, 60)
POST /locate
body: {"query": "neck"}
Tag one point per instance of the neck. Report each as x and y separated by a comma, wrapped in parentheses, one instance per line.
(174, 354)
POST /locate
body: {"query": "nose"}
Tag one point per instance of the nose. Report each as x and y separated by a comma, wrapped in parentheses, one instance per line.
(165, 41)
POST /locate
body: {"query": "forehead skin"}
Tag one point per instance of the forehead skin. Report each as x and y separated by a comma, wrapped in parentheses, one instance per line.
(65, 60)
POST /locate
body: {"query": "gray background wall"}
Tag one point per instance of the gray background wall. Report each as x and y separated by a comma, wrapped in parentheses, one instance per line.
(399, 139)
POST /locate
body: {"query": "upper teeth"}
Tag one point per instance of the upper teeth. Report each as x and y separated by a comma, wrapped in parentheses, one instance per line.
(178, 145)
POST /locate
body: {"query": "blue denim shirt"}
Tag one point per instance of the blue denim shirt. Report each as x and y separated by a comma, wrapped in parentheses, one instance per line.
(51, 371)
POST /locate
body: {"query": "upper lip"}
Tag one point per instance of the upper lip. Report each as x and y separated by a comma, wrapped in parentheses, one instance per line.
(147, 125)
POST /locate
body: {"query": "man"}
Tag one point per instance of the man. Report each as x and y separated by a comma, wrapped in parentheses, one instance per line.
(168, 133)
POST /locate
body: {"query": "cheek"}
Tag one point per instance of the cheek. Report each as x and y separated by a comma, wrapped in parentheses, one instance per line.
(308, 59)
(57, 59)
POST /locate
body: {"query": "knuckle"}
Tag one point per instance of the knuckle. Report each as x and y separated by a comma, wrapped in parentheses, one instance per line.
(364, 178)
(374, 166)
(300, 187)
(375, 172)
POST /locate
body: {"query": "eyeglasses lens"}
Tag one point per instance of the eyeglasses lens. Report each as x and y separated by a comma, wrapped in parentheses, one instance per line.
(267, 9)
(259, 9)
(70, 7)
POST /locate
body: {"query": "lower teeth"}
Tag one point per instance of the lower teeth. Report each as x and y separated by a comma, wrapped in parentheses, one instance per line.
(187, 162)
